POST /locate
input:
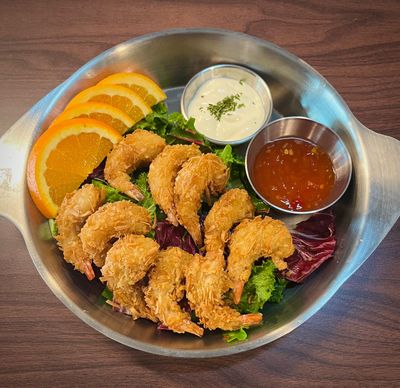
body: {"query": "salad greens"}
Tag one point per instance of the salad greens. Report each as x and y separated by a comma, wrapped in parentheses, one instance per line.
(233, 336)
(147, 202)
(258, 288)
(53, 227)
(48, 230)
(112, 195)
(172, 126)
(263, 286)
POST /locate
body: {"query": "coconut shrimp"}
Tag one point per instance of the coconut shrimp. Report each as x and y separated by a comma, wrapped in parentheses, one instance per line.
(75, 208)
(126, 264)
(252, 239)
(200, 174)
(112, 220)
(231, 208)
(162, 173)
(133, 151)
(206, 284)
(128, 260)
(131, 299)
(166, 289)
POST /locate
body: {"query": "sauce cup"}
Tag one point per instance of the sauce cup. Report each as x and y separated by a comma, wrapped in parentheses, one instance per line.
(234, 72)
(304, 129)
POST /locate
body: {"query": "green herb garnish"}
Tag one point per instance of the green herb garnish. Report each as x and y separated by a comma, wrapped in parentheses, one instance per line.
(226, 105)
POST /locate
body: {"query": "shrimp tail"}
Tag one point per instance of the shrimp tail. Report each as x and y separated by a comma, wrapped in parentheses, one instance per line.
(238, 291)
(88, 270)
(251, 319)
(135, 194)
(191, 327)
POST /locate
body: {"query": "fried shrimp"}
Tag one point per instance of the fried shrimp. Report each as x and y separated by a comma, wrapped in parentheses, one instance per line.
(231, 208)
(133, 151)
(126, 264)
(206, 284)
(162, 173)
(166, 288)
(128, 260)
(200, 174)
(252, 239)
(131, 298)
(112, 220)
(75, 208)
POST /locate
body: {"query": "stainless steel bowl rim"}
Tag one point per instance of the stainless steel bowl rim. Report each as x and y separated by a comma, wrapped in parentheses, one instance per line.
(268, 109)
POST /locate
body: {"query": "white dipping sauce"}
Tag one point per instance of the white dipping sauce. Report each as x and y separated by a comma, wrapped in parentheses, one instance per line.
(234, 125)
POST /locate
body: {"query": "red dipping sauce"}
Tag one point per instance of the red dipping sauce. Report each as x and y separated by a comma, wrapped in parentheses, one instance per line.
(294, 174)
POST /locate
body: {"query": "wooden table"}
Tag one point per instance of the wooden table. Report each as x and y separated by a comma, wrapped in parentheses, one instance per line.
(353, 341)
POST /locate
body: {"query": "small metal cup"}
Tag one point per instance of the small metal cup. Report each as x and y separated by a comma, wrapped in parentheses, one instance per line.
(307, 129)
(237, 73)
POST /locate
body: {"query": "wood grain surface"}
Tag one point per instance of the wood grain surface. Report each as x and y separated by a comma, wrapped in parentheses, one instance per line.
(353, 341)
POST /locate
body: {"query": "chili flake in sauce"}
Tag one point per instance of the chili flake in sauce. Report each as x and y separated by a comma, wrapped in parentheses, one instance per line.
(294, 174)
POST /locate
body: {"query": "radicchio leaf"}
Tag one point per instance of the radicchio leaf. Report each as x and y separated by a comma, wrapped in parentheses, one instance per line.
(168, 235)
(315, 242)
(97, 173)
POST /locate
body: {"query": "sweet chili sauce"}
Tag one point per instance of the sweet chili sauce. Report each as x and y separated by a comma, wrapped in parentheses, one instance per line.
(294, 174)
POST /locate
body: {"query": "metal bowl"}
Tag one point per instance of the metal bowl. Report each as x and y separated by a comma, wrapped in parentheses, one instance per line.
(237, 73)
(307, 129)
(364, 215)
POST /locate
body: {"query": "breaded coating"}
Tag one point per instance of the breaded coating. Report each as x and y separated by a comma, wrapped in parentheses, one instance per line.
(231, 208)
(166, 288)
(126, 264)
(132, 299)
(252, 239)
(75, 208)
(206, 284)
(162, 173)
(112, 220)
(128, 260)
(135, 150)
(204, 174)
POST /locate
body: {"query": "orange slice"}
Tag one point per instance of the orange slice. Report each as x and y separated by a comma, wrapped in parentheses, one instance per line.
(105, 113)
(142, 85)
(63, 157)
(121, 97)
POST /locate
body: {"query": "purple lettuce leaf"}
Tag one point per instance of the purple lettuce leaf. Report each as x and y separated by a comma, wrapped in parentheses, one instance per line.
(97, 173)
(315, 242)
(168, 235)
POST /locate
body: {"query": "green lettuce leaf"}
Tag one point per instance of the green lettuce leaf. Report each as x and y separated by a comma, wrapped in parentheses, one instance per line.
(148, 201)
(112, 195)
(279, 287)
(172, 126)
(107, 293)
(228, 156)
(233, 336)
(258, 288)
(53, 227)
(48, 230)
